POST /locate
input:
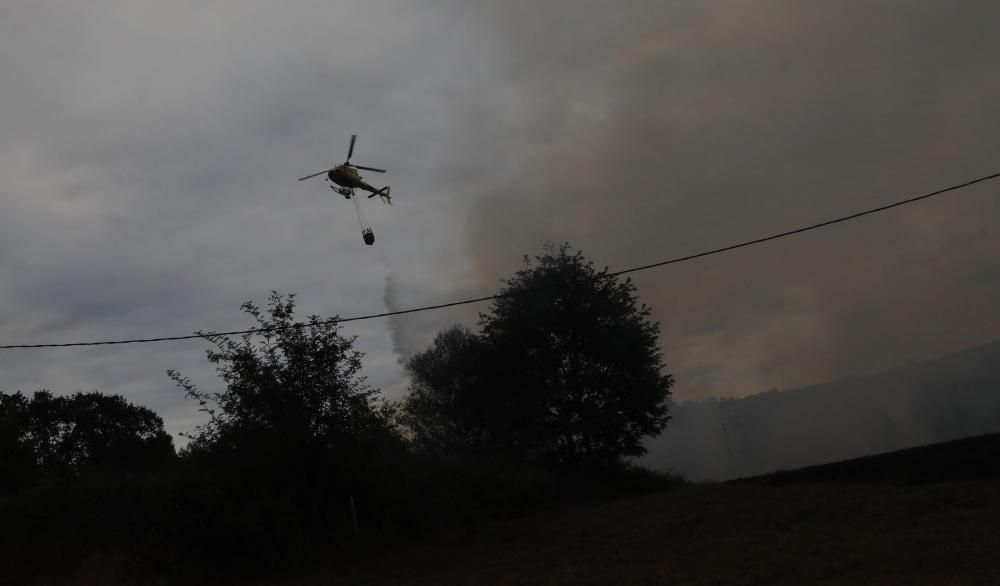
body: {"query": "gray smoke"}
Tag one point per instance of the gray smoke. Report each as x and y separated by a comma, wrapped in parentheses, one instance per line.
(945, 399)
(403, 340)
(414, 332)
(647, 131)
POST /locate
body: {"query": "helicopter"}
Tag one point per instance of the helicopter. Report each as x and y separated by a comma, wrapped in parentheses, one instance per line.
(346, 177)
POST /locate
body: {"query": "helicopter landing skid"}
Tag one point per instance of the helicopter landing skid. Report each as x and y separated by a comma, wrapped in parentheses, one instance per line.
(347, 192)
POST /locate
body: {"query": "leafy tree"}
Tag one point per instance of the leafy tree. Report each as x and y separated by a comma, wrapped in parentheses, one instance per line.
(17, 458)
(448, 405)
(297, 384)
(289, 438)
(48, 435)
(566, 370)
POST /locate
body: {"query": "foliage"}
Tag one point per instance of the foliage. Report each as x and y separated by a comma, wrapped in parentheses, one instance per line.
(448, 406)
(288, 438)
(296, 384)
(48, 435)
(298, 458)
(566, 370)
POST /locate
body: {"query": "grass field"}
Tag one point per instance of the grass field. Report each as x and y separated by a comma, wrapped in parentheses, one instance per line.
(928, 515)
(879, 520)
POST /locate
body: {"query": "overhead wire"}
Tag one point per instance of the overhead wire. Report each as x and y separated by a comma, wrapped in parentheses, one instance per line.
(337, 320)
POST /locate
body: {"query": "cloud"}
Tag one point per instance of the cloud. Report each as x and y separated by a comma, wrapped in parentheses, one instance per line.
(651, 132)
(148, 157)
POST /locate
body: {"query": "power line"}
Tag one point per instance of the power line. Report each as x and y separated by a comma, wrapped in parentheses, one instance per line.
(807, 228)
(498, 296)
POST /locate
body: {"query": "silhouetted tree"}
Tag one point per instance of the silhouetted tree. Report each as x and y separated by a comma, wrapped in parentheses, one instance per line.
(289, 438)
(448, 404)
(295, 386)
(17, 458)
(566, 369)
(48, 435)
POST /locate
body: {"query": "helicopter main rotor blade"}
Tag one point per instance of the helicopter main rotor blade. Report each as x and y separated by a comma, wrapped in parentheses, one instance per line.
(350, 150)
(314, 175)
(369, 168)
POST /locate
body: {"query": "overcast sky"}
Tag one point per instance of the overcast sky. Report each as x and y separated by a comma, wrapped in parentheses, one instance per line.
(149, 154)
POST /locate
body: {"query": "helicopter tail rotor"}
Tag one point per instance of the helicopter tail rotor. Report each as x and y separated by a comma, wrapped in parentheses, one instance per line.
(384, 194)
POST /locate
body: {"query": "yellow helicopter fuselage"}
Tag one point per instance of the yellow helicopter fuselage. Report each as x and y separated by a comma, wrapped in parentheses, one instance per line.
(348, 177)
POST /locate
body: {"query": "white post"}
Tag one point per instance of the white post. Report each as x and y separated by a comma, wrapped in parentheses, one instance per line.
(354, 515)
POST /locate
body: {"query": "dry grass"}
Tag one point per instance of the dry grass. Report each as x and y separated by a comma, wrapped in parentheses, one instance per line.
(928, 515)
(749, 533)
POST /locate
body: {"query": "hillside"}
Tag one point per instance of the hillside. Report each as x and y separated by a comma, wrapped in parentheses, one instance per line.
(934, 401)
(881, 520)
(966, 459)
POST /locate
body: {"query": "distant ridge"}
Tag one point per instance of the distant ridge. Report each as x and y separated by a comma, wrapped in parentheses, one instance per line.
(971, 458)
(947, 398)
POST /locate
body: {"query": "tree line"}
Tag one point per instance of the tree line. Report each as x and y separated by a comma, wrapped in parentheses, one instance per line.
(299, 455)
